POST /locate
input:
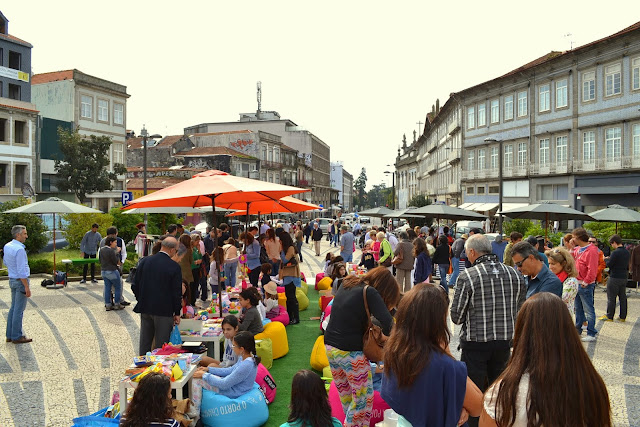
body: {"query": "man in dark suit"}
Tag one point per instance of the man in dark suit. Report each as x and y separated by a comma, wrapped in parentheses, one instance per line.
(157, 286)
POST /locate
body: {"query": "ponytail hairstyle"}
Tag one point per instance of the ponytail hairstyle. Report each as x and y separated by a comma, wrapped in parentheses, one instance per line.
(245, 340)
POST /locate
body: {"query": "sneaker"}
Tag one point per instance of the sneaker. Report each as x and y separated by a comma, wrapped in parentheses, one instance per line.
(620, 319)
(118, 307)
(108, 307)
(584, 327)
(22, 340)
(83, 281)
(588, 338)
(94, 281)
(605, 318)
(125, 303)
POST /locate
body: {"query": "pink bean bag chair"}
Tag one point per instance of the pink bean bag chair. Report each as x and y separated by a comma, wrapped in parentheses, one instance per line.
(281, 289)
(302, 276)
(266, 383)
(319, 277)
(377, 414)
(283, 317)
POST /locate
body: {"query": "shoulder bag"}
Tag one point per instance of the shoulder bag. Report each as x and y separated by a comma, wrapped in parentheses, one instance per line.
(373, 340)
(398, 258)
(387, 260)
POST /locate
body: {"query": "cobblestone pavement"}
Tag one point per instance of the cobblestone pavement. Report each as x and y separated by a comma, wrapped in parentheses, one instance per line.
(79, 352)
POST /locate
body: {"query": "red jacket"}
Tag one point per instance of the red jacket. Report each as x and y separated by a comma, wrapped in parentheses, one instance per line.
(587, 262)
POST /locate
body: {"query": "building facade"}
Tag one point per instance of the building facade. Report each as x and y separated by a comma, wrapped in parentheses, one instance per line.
(312, 165)
(94, 106)
(406, 179)
(342, 181)
(18, 117)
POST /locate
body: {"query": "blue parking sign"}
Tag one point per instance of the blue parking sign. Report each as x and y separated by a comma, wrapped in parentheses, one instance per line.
(127, 196)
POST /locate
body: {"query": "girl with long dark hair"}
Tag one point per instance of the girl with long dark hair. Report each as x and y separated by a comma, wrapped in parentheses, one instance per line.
(549, 380)
(151, 403)
(419, 367)
(309, 405)
(290, 276)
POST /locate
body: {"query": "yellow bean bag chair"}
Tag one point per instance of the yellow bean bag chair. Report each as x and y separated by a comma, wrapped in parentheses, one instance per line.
(278, 335)
(303, 301)
(326, 372)
(319, 359)
(325, 283)
(304, 287)
(282, 299)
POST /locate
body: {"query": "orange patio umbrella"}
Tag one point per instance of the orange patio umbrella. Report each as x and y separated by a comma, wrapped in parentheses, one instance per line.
(216, 189)
(283, 205)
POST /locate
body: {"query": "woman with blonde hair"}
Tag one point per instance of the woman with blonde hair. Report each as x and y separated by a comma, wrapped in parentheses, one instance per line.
(385, 251)
(561, 263)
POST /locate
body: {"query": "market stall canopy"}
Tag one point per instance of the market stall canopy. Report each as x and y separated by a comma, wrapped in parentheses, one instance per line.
(403, 213)
(448, 212)
(546, 211)
(376, 212)
(206, 187)
(616, 213)
(284, 205)
(172, 210)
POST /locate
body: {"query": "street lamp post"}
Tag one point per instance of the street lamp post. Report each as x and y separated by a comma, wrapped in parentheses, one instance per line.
(393, 187)
(145, 136)
(500, 154)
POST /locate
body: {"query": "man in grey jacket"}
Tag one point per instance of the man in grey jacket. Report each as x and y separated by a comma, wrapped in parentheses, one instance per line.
(89, 248)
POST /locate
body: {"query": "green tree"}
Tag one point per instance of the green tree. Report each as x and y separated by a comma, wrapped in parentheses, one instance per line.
(379, 195)
(519, 225)
(419, 201)
(125, 223)
(79, 224)
(359, 189)
(35, 226)
(158, 223)
(85, 166)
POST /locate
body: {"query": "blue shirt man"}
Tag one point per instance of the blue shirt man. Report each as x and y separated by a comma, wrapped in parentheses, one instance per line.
(527, 259)
(15, 258)
(346, 244)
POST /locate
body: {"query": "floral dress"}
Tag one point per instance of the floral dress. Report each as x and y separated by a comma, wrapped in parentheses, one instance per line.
(569, 292)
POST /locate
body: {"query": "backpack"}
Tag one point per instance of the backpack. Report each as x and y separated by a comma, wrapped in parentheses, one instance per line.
(264, 258)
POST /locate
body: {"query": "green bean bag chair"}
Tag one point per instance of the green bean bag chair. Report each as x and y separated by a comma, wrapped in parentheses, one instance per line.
(303, 301)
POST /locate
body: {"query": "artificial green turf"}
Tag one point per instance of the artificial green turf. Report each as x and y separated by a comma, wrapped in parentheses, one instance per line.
(301, 339)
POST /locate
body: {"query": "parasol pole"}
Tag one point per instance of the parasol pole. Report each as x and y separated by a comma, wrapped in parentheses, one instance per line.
(54, 247)
(215, 251)
(546, 225)
(616, 229)
(246, 227)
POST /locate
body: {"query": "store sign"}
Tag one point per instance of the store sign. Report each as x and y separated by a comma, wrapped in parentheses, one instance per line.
(10, 73)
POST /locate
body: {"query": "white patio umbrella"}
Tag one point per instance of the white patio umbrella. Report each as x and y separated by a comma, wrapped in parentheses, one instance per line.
(53, 205)
(616, 213)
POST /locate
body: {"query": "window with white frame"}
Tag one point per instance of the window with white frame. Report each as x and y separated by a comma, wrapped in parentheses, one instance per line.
(522, 104)
(270, 158)
(544, 98)
(482, 114)
(508, 156)
(276, 155)
(481, 157)
(494, 158)
(635, 74)
(613, 80)
(562, 94)
(588, 86)
(522, 154)
(544, 152)
(561, 150)
(118, 114)
(508, 107)
(471, 117)
(589, 147)
(118, 153)
(613, 139)
(635, 139)
(103, 110)
(86, 106)
(471, 156)
(264, 154)
(495, 111)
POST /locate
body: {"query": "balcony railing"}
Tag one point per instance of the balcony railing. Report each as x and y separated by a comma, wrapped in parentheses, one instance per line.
(454, 156)
(550, 168)
(268, 164)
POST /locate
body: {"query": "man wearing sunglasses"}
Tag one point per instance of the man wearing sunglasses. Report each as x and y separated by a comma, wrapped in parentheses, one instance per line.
(527, 259)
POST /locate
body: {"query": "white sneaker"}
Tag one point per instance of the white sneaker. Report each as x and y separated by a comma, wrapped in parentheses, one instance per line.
(588, 338)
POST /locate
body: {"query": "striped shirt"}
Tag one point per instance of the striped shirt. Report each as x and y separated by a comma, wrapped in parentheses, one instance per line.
(487, 299)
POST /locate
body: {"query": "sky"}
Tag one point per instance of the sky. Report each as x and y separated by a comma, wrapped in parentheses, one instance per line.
(357, 74)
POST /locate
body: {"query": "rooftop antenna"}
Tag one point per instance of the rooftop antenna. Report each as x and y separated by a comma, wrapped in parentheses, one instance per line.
(570, 40)
(259, 97)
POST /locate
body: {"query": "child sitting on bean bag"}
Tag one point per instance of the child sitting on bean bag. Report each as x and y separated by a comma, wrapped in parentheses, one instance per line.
(229, 329)
(309, 403)
(271, 300)
(250, 319)
(231, 382)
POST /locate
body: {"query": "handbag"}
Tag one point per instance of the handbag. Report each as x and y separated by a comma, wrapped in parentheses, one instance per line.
(387, 261)
(450, 271)
(373, 339)
(398, 258)
(291, 263)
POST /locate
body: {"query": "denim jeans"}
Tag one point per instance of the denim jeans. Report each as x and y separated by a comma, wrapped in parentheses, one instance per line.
(18, 304)
(347, 256)
(299, 249)
(585, 310)
(456, 270)
(443, 268)
(334, 239)
(230, 273)
(275, 268)
(112, 280)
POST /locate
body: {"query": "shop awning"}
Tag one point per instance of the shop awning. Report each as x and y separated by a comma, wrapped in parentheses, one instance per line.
(465, 205)
(507, 206)
(619, 189)
(484, 207)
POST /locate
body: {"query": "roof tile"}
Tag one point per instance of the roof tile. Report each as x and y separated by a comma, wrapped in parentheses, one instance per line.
(52, 76)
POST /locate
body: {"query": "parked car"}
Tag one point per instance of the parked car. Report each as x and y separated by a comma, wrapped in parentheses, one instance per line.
(463, 227)
(323, 224)
(364, 220)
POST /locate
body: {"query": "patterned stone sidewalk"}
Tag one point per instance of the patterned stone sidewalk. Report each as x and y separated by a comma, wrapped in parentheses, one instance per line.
(80, 351)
